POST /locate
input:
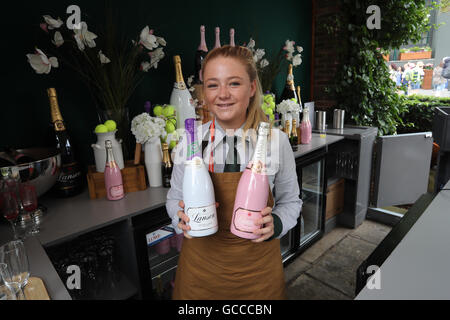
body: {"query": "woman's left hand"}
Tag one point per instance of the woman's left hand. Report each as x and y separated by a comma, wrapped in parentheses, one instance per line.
(267, 229)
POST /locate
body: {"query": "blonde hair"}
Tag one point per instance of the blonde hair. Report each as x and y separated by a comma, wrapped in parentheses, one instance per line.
(255, 114)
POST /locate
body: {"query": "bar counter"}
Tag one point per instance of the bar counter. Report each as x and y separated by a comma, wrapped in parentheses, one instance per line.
(70, 217)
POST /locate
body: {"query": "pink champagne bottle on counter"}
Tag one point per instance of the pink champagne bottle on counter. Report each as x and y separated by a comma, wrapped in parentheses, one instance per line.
(217, 44)
(306, 131)
(198, 190)
(253, 190)
(113, 176)
(232, 37)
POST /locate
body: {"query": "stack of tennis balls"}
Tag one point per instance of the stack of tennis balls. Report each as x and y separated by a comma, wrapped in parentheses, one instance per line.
(108, 126)
(167, 112)
(268, 106)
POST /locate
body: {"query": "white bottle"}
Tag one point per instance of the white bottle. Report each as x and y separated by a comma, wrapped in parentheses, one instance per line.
(198, 190)
(181, 98)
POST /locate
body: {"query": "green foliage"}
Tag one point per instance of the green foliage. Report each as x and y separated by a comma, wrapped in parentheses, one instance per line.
(419, 113)
(363, 87)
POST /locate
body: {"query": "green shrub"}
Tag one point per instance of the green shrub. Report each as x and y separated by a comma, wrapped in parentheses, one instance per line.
(420, 113)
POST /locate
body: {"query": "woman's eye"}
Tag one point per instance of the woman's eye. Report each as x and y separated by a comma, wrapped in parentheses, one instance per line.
(212, 85)
(235, 83)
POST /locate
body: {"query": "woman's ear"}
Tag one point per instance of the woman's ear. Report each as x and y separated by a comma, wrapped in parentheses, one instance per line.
(253, 88)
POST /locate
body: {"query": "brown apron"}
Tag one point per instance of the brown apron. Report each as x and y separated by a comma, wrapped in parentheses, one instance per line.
(225, 267)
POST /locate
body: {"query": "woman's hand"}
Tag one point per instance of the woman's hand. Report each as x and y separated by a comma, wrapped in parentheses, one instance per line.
(266, 223)
(184, 219)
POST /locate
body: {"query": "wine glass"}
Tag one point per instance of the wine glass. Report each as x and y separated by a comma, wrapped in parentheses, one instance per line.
(9, 208)
(9, 290)
(28, 197)
(13, 254)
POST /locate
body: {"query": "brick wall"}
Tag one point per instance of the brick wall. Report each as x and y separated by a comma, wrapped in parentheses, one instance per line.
(325, 62)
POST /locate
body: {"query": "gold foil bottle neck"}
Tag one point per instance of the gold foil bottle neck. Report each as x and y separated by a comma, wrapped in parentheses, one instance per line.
(179, 80)
(55, 113)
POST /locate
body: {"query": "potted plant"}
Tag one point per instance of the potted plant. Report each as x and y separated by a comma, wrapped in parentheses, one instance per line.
(110, 68)
(428, 76)
(415, 53)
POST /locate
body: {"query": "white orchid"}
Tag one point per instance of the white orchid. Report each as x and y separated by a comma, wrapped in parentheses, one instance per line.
(161, 41)
(84, 37)
(289, 46)
(58, 39)
(264, 63)
(251, 44)
(147, 39)
(145, 66)
(297, 60)
(103, 59)
(259, 54)
(40, 63)
(53, 23)
(155, 57)
(299, 49)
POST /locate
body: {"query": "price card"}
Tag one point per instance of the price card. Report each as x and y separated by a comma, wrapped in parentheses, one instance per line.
(159, 235)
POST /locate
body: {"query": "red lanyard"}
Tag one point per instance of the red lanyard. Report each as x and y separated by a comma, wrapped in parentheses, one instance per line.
(212, 131)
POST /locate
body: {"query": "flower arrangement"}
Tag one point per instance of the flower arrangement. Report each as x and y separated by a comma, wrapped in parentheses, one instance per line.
(286, 106)
(269, 69)
(111, 68)
(145, 128)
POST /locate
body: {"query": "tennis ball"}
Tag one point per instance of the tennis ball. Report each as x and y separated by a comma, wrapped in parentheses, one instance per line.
(269, 111)
(111, 125)
(272, 105)
(157, 111)
(168, 111)
(101, 128)
(173, 120)
(170, 127)
(268, 98)
(271, 117)
(172, 144)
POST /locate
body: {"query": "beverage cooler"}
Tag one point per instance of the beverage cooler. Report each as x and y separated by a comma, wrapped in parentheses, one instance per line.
(311, 224)
(157, 250)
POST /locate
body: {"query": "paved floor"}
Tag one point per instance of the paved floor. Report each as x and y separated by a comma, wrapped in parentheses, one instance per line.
(327, 270)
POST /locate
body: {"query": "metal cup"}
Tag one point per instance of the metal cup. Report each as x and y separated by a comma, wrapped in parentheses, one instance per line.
(338, 118)
(321, 119)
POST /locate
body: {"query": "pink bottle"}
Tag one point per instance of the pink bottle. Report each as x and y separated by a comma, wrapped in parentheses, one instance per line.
(113, 176)
(217, 44)
(253, 190)
(305, 127)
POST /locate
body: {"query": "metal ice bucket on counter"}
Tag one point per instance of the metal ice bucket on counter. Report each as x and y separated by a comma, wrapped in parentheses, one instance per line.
(41, 173)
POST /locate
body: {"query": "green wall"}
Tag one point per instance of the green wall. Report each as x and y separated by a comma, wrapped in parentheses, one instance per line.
(25, 115)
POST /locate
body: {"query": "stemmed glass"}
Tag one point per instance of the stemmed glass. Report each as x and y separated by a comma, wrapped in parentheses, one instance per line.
(28, 197)
(9, 208)
(9, 290)
(13, 254)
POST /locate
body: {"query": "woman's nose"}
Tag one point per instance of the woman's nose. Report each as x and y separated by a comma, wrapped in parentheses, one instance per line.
(223, 92)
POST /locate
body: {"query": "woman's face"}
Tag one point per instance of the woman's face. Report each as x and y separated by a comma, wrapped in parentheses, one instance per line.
(227, 91)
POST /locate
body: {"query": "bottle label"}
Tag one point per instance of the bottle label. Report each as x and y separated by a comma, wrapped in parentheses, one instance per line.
(202, 218)
(116, 191)
(244, 220)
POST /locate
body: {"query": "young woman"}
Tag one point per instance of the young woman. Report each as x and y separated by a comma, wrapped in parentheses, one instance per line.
(224, 266)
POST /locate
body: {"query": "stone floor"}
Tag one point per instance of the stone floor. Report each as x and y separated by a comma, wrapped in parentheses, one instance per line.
(327, 270)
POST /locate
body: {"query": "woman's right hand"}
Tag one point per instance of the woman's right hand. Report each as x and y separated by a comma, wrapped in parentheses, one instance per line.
(184, 219)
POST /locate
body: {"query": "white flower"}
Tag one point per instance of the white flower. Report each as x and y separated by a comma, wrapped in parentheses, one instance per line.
(297, 60)
(147, 39)
(264, 63)
(155, 57)
(299, 49)
(251, 44)
(145, 66)
(189, 81)
(288, 106)
(103, 59)
(260, 53)
(53, 23)
(40, 63)
(161, 41)
(144, 127)
(84, 37)
(58, 39)
(289, 46)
